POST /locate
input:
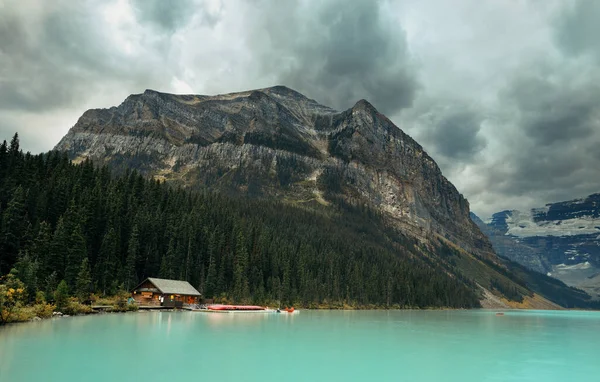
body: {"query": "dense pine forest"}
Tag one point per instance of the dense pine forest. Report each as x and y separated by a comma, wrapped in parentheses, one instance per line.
(101, 233)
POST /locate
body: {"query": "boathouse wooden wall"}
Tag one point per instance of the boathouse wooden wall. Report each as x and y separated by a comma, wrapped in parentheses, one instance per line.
(141, 297)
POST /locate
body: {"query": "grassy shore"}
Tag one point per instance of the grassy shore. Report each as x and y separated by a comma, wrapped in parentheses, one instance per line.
(41, 310)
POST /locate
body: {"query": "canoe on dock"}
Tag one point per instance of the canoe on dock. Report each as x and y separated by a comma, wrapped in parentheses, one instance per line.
(236, 307)
(221, 308)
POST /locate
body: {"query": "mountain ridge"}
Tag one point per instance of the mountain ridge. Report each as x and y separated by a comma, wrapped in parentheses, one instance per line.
(274, 123)
(561, 239)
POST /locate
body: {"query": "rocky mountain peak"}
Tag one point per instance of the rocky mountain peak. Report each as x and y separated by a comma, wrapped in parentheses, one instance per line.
(277, 143)
(364, 105)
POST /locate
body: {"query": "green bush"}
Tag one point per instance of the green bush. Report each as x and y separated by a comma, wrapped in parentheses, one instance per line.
(20, 313)
(40, 297)
(122, 304)
(43, 310)
(12, 298)
(74, 307)
(132, 307)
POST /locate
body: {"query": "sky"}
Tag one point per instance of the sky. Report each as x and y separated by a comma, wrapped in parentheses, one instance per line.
(503, 94)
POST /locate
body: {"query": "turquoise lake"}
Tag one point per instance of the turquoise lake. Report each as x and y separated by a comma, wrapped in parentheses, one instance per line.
(310, 346)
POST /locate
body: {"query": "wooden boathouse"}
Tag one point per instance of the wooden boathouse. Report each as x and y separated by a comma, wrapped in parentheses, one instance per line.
(163, 292)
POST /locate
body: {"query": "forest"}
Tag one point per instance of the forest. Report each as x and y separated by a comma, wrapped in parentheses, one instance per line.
(101, 233)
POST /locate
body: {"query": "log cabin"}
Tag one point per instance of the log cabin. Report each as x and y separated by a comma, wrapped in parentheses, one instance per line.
(163, 292)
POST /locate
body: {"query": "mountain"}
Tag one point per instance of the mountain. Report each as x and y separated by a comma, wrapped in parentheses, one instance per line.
(276, 145)
(561, 240)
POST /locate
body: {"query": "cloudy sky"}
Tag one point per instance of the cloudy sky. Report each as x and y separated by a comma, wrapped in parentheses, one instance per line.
(504, 94)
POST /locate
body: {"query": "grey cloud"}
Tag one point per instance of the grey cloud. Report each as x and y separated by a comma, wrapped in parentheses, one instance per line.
(455, 135)
(550, 134)
(338, 52)
(552, 110)
(64, 60)
(448, 129)
(578, 28)
(168, 15)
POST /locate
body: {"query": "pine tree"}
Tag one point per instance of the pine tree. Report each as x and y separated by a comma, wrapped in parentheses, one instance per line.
(14, 148)
(211, 278)
(14, 224)
(60, 246)
(27, 269)
(61, 295)
(50, 285)
(41, 248)
(84, 281)
(166, 266)
(76, 253)
(106, 263)
(240, 277)
(132, 255)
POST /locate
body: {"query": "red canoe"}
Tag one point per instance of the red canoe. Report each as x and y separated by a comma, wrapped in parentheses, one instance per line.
(235, 307)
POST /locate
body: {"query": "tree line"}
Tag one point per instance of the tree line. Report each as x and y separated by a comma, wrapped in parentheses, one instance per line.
(97, 232)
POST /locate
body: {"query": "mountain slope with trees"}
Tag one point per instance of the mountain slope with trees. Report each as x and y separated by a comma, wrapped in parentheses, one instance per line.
(99, 233)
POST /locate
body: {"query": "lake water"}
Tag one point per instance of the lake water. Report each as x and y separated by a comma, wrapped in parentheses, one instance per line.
(309, 346)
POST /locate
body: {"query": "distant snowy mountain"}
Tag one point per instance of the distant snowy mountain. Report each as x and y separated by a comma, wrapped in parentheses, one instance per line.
(560, 239)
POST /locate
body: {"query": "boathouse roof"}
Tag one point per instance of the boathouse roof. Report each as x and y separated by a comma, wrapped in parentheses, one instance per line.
(166, 286)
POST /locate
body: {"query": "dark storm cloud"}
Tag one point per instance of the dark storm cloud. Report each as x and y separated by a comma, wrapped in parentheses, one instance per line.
(448, 129)
(339, 52)
(41, 69)
(169, 15)
(457, 135)
(454, 133)
(550, 135)
(578, 28)
(64, 59)
(554, 111)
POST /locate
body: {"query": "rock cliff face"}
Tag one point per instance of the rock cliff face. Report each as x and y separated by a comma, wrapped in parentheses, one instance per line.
(560, 239)
(276, 142)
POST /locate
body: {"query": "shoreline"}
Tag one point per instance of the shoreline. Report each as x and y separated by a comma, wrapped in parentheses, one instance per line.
(172, 310)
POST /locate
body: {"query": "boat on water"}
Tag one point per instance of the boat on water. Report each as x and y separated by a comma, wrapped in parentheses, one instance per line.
(236, 308)
(222, 308)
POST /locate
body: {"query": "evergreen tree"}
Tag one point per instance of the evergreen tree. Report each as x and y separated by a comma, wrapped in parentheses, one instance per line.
(14, 223)
(133, 248)
(106, 263)
(59, 249)
(61, 296)
(14, 148)
(167, 264)
(50, 285)
(240, 277)
(84, 281)
(41, 248)
(76, 253)
(27, 269)
(211, 278)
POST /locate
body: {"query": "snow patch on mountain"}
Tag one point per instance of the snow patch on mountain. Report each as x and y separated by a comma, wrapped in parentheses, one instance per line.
(523, 224)
(580, 266)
